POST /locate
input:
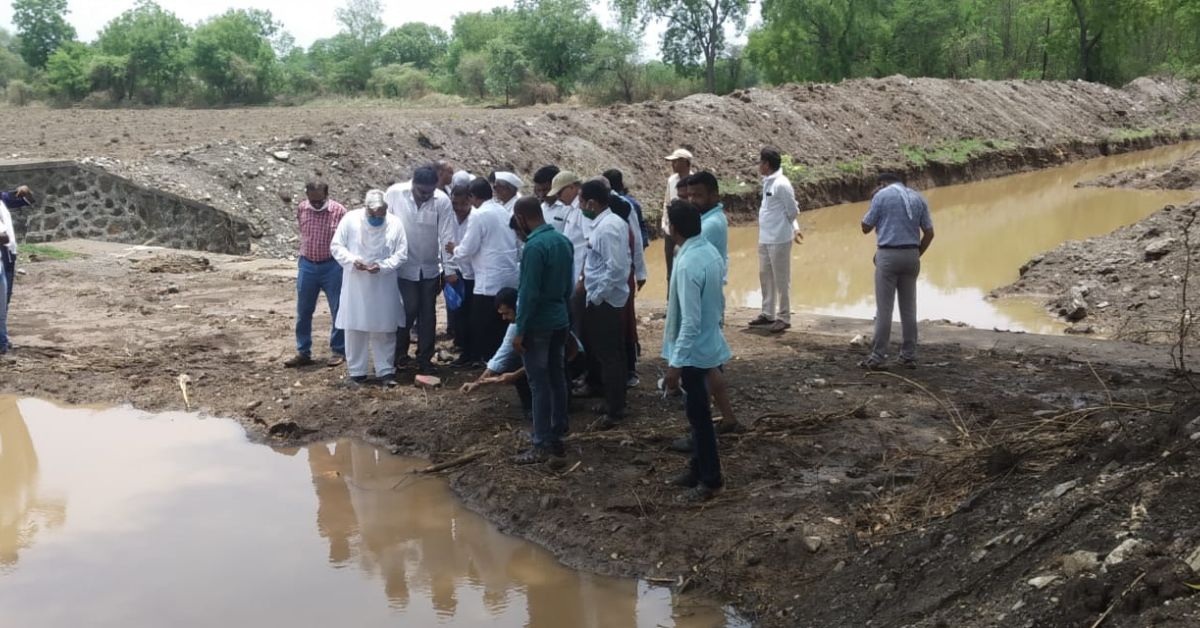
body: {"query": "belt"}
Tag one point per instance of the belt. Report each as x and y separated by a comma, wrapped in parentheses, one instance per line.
(901, 247)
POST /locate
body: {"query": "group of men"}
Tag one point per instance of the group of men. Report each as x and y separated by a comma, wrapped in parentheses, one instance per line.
(543, 287)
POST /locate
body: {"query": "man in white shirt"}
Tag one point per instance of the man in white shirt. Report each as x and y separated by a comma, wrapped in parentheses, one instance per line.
(370, 245)
(428, 219)
(605, 282)
(776, 231)
(460, 276)
(490, 247)
(507, 190)
(681, 167)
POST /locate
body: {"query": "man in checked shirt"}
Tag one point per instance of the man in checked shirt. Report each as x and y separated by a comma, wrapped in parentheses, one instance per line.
(318, 216)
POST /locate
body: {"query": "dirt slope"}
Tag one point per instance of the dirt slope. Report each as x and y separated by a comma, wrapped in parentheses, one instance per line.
(934, 499)
(225, 157)
(1126, 284)
(1184, 175)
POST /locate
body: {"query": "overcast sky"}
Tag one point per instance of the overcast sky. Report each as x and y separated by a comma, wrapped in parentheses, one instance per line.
(306, 20)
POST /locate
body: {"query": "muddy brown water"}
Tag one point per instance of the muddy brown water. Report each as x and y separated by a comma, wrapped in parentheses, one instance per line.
(121, 518)
(985, 232)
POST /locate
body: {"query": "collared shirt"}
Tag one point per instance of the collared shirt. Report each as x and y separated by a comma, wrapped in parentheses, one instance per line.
(428, 228)
(671, 195)
(490, 246)
(778, 210)
(317, 227)
(7, 226)
(463, 266)
(695, 307)
(546, 283)
(555, 214)
(607, 264)
(898, 214)
(578, 228)
(506, 358)
(512, 204)
(714, 226)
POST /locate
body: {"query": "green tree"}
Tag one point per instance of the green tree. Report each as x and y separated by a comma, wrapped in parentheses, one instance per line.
(233, 55)
(355, 46)
(401, 81)
(42, 26)
(614, 68)
(422, 45)
(822, 40)
(472, 74)
(507, 68)
(469, 38)
(558, 37)
(12, 66)
(154, 43)
(68, 71)
(696, 29)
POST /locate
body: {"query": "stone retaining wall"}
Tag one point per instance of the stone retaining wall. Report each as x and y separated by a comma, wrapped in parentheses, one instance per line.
(80, 201)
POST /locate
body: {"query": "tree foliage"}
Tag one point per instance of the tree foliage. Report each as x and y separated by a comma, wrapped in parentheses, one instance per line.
(697, 30)
(153, 42)
(42, 26)
(232, 54)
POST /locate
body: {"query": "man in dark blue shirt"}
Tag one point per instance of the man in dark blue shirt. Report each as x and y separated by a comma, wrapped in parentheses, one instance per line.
(16, 199)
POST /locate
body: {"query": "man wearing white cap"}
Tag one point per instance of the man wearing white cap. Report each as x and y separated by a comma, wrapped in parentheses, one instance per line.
(508, 190)
(681, 166)
(370, 246)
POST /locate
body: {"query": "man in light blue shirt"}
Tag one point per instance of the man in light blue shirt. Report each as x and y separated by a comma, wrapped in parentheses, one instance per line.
(606, 286)
(693, 344)
(899, 216)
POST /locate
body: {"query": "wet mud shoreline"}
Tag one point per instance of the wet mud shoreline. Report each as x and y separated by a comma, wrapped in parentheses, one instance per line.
(854, 498)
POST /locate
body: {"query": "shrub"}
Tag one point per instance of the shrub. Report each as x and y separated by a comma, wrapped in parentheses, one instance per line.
(20, 93)
(399, 80)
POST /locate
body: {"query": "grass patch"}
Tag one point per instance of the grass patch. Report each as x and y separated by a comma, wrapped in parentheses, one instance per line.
(733, 186)
(1125, 135)
(953, 152)
(45, 252)
(854, 166)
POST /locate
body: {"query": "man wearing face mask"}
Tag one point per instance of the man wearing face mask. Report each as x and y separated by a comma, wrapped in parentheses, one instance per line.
(370, 245)
(319, 217)
(428, 219)
(605, 283)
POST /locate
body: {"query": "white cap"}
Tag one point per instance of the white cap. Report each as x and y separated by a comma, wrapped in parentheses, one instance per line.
(462, 177)
(375, 200)
(680, 153)
(510, 179)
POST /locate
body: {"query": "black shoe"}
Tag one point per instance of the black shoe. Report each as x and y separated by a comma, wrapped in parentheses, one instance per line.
(298, 361)
(728, 426)
(558, 450)
(686, 479)
(608, 422)
(683, 445)
(427, 369)
(909, 363)
(462, 362)
(698, 493)
(533, 455)
(354, 382)
(388, 381)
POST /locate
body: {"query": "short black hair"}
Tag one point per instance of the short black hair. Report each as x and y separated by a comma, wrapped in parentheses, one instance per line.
(529, 207)
(316, 184)
(619, 205)
(684, 218)
(705, 179)
(425, 176)
(460, 189)
(546, 174)
(595, 190)
(682, 182)
(771, 156)
(890, 178)
(481, 189)
(507, 297)
(616, 179)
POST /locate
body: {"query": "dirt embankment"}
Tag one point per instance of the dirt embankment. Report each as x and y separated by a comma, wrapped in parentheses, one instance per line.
(989, 487)
(253, 162)
(1127, 284)
(1184, 175)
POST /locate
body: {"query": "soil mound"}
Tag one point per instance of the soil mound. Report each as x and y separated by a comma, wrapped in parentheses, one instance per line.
(1127, 284)
(254, 162)
(1184, 175)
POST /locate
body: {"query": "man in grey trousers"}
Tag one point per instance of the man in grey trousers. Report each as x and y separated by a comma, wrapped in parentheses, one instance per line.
(899, 216)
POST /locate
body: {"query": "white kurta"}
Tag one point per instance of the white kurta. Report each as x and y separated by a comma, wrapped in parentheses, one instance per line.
(370, 302)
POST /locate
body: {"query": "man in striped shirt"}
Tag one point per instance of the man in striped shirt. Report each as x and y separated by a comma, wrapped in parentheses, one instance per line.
(318, 216)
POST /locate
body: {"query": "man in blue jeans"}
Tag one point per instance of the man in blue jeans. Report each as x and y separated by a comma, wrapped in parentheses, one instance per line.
(542, 324)
(693, 344)
(319, 217)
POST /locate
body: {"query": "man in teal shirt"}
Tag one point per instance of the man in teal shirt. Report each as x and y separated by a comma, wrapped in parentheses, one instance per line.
(693, 344)
(547, 263)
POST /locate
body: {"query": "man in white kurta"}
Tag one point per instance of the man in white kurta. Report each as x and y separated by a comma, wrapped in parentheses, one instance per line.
(370, 245)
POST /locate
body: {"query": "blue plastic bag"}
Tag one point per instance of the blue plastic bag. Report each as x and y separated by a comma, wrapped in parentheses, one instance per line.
(453, 293)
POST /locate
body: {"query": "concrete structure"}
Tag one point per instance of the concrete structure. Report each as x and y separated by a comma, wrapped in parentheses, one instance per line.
(81, 201)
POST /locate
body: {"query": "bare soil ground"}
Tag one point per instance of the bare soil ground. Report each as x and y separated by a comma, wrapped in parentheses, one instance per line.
(841, 132)
(1128, 284)
(943, 496)
(1184, 175)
